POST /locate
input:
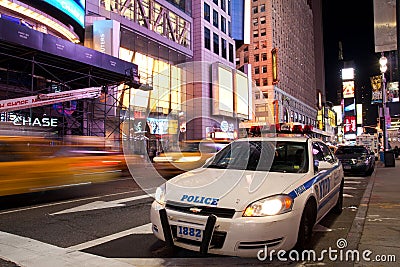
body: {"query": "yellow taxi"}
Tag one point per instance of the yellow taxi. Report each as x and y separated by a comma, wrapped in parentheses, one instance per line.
(187, 156)
(29, 164)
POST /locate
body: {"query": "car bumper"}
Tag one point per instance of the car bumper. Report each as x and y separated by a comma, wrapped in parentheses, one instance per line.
(237, 236)
(358, 168)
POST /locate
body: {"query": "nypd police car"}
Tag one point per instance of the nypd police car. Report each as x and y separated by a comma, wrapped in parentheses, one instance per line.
(256, 192)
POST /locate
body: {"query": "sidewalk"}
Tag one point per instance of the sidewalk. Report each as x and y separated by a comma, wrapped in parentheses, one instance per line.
(381, 230)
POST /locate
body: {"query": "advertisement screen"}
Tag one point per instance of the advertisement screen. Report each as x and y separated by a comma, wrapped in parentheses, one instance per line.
(158, 126)
(348, 89)
(376, 83)
(393, 92)
(350, 125)
(74, 9)
(349, 107)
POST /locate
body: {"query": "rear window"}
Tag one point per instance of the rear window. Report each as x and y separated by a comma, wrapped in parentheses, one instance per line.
(351, 150)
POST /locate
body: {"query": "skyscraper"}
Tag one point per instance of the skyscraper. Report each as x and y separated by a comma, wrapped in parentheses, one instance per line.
(286, 55)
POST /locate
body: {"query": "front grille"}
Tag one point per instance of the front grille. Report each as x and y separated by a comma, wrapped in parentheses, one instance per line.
(347, 161)
(200, 210)
(260, 244)
(217, 240)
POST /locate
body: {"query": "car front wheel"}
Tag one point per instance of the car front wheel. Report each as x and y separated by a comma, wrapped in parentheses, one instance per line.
(337, 209)
(306, 226)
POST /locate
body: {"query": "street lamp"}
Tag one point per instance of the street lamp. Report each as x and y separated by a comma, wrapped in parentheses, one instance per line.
(383, 68)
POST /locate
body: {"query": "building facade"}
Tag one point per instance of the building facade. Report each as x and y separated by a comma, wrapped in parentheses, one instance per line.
(282, 52)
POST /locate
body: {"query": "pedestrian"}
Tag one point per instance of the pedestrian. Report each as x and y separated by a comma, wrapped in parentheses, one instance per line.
(396, 152)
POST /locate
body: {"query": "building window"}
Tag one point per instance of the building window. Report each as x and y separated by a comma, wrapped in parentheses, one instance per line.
(265, 82)
(223, 48)
(229, 29)
(257, 70)
(255, 9)
(257, 95)
(265, 94)
(207, 12)
(255, 45)
(264, 69)
(256, 57)
(264, 44)
(257, 82)
(255, 21)
(229, 7)
(223, 24)
(207, 38)
(223, 5)
(246, 59)
(216, 43)
(255, 33)
(263, 32)
(262, 20)
(262, 8)
(231, 53)
(264, 56)
(215, 18)
(215, 2)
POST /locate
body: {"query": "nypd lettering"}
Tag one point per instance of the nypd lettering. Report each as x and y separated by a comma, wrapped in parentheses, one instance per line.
(200, 200)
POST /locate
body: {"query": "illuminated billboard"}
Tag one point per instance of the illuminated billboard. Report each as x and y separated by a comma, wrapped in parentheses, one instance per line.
(74, 9)
(348, 74)
(222, 90)
(376, 83)
(241, 95)
(348, 89)
(393, 92)
(350, 125)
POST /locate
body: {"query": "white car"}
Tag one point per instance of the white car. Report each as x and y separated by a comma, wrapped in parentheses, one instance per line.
(254, 193)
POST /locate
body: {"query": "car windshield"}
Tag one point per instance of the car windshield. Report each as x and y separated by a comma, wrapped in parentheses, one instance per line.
(279, 156)
(351, 150)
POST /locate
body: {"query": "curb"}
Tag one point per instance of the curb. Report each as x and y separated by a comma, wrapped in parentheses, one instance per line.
(354, 236)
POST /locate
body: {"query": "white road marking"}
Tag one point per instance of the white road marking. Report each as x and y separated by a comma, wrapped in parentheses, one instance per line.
(355, 178)
(347, 195)
(349, 188)
(29, 252)
(352, 182)
(143, 229)
(72, 201)
(101, 205)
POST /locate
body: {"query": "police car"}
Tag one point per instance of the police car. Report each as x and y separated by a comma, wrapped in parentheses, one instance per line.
(256, 192)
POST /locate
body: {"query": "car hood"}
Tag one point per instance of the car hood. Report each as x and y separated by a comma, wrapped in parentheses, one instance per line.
(234, 189)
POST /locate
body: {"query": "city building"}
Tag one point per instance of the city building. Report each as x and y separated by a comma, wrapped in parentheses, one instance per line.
(286, 55)
(151, 86)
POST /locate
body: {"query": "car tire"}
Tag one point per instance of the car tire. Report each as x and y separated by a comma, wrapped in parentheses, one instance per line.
(338, 208)
(306, 227)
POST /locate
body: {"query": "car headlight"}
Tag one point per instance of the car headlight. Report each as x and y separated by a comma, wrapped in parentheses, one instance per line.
(160, 194)
(269, 206)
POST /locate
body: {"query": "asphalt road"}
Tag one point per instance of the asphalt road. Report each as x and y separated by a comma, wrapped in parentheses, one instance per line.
(112, 220)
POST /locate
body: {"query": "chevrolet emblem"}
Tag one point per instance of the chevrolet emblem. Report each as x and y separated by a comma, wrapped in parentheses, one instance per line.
(195, 210)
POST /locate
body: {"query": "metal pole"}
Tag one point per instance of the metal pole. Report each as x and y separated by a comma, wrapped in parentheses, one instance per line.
(385, 144)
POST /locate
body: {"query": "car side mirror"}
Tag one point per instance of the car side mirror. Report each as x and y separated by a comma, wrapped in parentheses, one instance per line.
(321, 166)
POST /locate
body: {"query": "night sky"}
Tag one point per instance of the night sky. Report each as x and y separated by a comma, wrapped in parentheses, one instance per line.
(352, 23)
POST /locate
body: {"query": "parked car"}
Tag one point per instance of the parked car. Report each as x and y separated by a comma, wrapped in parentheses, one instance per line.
(356, 159)
(254, 193)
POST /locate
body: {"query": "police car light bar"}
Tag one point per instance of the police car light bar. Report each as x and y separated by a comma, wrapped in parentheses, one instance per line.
(288, 128)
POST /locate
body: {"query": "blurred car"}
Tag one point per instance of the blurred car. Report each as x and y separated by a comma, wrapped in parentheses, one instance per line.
(356, 159)
(188, 156)
(29, 164)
